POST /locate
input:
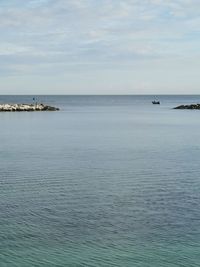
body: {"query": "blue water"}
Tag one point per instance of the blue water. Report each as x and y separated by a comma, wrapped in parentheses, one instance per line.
(106, 181)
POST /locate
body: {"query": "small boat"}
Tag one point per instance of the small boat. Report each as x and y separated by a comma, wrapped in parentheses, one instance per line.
(156, 102)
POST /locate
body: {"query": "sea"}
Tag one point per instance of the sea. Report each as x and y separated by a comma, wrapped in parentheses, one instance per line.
(107, 181)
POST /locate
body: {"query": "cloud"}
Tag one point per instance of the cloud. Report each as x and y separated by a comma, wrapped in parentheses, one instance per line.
(46, 36)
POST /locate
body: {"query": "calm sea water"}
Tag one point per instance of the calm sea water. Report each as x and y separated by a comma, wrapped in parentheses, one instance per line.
(107, 181)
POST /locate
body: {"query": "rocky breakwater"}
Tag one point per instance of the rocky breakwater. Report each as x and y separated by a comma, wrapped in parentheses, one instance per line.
(26, 107)
(192, 106)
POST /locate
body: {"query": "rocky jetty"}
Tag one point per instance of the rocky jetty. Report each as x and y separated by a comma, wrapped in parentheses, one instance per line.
(192, 106)
(26, 107)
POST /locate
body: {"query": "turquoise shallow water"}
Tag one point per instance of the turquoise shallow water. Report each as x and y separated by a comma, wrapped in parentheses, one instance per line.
(107, 181)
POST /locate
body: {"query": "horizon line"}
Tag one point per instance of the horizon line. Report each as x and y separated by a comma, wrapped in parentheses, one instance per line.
(98, 95)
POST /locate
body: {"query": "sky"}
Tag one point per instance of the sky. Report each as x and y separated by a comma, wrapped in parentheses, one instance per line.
(99, 47)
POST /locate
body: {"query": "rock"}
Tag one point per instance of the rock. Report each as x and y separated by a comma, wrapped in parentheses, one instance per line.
(192, 106)
(26, 107)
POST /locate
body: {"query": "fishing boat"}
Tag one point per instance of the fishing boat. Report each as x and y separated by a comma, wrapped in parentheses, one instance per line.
(156, 102)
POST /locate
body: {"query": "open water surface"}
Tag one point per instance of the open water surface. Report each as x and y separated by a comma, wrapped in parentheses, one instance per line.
(107, 181)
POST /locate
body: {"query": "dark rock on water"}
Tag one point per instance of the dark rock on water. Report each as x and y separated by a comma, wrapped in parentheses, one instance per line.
(26, 107)
(49, 108)
(192, 106)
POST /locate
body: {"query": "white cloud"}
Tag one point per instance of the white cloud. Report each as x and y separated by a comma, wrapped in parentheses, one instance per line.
(38, 36)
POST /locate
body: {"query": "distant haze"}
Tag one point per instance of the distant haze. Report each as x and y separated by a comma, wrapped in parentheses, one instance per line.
(99, 46)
